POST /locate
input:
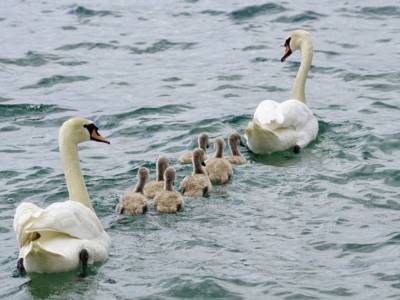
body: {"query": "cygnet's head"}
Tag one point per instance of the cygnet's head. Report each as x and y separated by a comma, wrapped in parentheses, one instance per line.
(198, 157)
(143, 174)
(162, 165)
(295, 41)
(79, 130)
(219, 148)
(234, 137)
(203, 141)
(169, 178)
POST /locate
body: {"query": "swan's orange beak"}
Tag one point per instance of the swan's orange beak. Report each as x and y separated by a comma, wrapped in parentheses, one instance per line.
(287, 53)
(96, 136)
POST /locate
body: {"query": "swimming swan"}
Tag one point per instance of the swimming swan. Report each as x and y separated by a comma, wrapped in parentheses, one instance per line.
(290, 124)
(186, 158)
(134, 203)
(66, 234)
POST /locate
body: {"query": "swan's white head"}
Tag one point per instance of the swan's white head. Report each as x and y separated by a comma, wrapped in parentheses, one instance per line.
(79, 130)
(295, 41)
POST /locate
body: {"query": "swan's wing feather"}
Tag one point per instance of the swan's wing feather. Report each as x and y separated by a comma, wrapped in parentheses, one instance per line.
(23, 217)
(70, 218)
(268, 114)
(291, 114)
(296, 114)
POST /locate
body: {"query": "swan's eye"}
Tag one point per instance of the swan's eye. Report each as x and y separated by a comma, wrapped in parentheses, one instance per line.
(287, 42)
(91, 127)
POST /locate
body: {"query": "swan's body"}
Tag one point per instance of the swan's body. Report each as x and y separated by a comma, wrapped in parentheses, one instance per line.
(280, 126)
(52, 239)
(134, 203)
(198, 184)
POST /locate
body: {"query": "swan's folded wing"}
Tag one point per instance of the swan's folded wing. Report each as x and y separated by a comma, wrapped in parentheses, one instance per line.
(269, 115)
(25, 213)
(295, 114)
(70, 218)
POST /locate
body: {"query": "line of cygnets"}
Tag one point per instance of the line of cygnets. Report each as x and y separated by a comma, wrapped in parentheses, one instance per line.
(206, 172)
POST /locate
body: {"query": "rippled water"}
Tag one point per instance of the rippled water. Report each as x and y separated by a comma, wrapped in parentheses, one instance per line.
(153, 74)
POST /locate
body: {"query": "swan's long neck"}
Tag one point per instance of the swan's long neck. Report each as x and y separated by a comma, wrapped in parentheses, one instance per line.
(306, 49)
(72, 170)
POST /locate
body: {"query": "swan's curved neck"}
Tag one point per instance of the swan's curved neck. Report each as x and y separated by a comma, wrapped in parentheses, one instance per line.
(72, 170)
(306, 49)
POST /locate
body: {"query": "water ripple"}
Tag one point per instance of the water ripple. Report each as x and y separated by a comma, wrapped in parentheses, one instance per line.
(86, 45)
(252, 11)
(160, 46)
(308, 15)
(55, 80)
(83, 12)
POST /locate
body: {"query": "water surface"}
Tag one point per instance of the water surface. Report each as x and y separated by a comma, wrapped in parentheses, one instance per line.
(153, 75)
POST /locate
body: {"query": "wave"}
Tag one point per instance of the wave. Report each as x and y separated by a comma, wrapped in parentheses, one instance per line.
(83, 12)
(18, 110)
(86, 45)
(252, 11)
(308, 15)
(160, 46)
(55, 80)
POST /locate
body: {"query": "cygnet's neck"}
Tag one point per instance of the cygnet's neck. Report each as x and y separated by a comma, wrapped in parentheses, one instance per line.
(234, 148)
(72, 170)
(306, 50)
(140, 185)
(168, 185)
(197, 167)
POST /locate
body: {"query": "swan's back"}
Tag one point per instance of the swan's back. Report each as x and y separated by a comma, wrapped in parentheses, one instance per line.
(69, 218)
(288, 114)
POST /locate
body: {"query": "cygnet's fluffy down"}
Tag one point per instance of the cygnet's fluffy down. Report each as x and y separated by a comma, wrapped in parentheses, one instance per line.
(198, 184)
(218, 168)
(169, 200)
(153, 187)
(236, 158)
(187, 158)
(134, 203)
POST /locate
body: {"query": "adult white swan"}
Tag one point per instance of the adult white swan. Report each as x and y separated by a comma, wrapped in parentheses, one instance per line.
(281, 126)
(66, 234)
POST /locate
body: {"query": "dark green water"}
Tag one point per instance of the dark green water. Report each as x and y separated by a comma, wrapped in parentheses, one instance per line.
(153, 74)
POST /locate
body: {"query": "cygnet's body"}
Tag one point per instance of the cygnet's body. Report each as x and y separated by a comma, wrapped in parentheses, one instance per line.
(169, 200)
(153, 187)
(218, 168)
(187, 157)
(236, 158)
(134, 203)
(198, 184)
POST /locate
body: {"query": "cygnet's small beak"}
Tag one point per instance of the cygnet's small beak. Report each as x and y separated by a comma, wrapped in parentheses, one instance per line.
(203, 163)
(287, 53)
(96, 136)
